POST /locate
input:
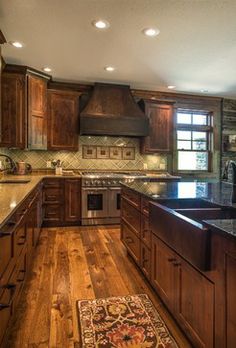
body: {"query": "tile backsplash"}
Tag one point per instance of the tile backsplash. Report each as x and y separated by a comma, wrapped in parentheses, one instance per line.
(75, 160)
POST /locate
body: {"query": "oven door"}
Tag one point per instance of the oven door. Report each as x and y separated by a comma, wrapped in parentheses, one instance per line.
(114, 202)
(94, 202)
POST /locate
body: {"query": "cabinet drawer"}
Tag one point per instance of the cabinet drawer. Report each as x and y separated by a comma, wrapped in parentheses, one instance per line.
(53, 212)
(52, 182)
(132, 197)
(19, 278)
(5, 310)
(52, 194)
(145, 206)
(131, 241)
(131, 216)
(6, 251)
(145, 260)
(145, 233)
(19, 240)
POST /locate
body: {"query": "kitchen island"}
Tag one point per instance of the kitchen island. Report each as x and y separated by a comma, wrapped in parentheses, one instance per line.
(182, 236)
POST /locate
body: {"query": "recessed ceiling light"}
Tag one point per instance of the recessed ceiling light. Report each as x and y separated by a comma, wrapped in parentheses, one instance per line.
(204, 90)
(171, 87)
(109, 68)
(16, 44)
(47, 69)
(101, 24)
(151, 32)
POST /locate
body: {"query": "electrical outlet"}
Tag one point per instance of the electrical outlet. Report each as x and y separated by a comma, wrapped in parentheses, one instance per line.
(49, 164)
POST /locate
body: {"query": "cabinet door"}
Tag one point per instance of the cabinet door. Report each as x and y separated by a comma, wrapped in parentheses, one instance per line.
(63, 118)
(145, 260)
(160, 137)
(12, 125)
(163, 272)
(37, 122)
(145, 234)
(195, 305)
(231, 303)
(72, 200)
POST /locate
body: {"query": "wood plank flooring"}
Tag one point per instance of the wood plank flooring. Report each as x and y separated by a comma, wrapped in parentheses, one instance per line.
(70, 264)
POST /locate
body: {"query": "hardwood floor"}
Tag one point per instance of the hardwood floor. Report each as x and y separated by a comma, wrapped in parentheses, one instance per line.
(70, 264)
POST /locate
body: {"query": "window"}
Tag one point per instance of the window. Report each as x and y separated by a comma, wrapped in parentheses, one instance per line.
(194, 138)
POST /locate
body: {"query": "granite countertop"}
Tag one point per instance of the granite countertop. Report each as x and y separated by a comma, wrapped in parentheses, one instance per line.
(219, 193)
(12, 195)
(227, 226)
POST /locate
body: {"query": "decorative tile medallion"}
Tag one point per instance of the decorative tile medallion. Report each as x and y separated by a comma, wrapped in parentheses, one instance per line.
(128, 153)
(115, 152)
(89, 152)
(102, 152)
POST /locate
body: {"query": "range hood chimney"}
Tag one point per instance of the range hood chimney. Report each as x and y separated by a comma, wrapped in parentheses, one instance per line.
(111, 110)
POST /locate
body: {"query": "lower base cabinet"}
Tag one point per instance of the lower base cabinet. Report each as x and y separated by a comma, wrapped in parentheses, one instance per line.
(19, 237)
(61, 201)
(186, 292)
(231, 300)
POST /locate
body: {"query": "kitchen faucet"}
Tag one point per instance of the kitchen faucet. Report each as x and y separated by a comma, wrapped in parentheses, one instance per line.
(12, 163)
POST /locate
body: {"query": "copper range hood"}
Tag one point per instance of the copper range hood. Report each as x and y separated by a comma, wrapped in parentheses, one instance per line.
(112, 110)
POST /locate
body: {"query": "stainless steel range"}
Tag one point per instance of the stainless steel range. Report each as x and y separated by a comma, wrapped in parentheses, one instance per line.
(101, 196)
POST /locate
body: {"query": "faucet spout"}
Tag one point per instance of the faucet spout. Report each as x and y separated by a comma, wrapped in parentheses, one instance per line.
(12, 163)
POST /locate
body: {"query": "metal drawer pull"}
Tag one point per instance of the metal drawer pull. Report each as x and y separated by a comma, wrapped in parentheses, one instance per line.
(21, 272)
(171, 259)
(4, 234)
(11, 287)
(21, 241)
(129, 240)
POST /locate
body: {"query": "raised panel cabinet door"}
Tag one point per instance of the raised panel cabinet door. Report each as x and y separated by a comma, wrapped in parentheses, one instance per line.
(145, 260)
(195, 305)
(231, 300)
(37, 113)
(160, 137)
(72, 200)
(12, 125)
(163, 273)
(63, 118)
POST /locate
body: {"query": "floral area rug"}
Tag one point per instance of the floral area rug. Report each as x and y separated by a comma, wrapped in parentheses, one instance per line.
(122, 322)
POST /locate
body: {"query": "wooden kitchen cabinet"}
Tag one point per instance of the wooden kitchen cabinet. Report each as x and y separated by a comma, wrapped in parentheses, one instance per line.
(2, 41)
(131, 241)
(186, 292)
(37, 113)
(13, 120)
(164, 273)
(24, 108)
(63, 120)
(160, 138)
(72, 200)
(231, 302)
(17, 246)
(61, 201)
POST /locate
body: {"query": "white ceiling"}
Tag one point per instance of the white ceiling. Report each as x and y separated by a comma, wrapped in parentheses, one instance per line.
(196, 47)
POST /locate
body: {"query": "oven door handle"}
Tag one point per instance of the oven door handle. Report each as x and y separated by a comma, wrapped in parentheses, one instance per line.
(94, 189)
(115, 188)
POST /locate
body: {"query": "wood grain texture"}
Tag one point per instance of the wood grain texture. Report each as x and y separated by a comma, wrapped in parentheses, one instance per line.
(75, 263)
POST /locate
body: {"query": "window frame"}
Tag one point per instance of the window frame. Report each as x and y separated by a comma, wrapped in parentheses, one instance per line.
(208, 129)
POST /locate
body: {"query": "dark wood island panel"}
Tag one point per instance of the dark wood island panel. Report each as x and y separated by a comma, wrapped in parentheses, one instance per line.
(201, 299)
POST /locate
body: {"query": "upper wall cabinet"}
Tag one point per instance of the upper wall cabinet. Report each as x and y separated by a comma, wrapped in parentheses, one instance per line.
(2, 41)
(160, 114)
(24, 108)
(37, 113)
(63, 120)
